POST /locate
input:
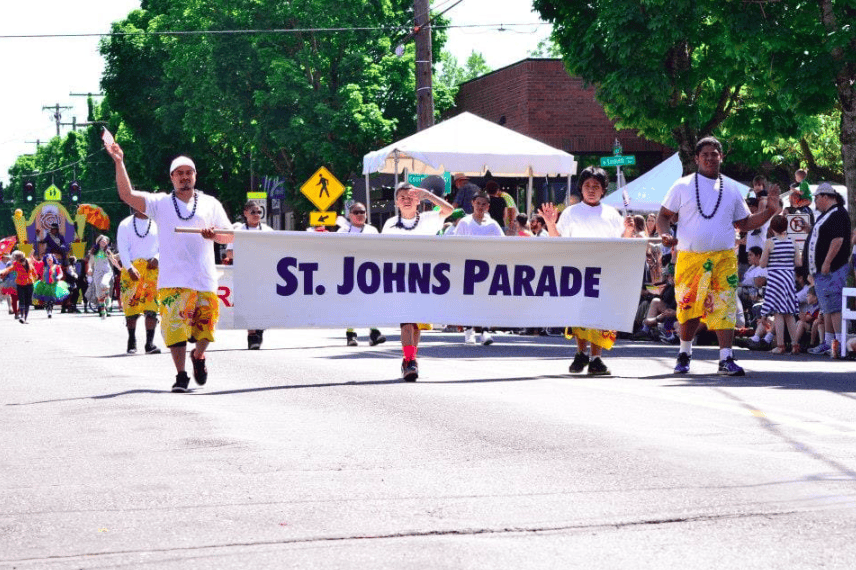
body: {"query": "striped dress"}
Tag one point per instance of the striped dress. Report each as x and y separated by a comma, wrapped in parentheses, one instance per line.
(781, 293)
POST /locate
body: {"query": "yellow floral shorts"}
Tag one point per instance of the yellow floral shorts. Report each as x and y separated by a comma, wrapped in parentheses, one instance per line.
(187, 315)
(603, 339)
(706, 288)
(139, 296)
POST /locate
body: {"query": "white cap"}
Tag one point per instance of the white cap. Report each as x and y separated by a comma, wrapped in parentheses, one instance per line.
(181, 161)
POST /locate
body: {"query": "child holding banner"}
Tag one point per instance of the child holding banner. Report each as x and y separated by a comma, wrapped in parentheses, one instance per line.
(410, 221)
(589, 218)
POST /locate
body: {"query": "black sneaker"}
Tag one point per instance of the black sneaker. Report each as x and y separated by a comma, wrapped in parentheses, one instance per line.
(181, 382)
(351, 339)
(728, 367)
(254, 341)
(376, 338)
(581, 360)
(132, 346)
(409, 370)
(200, 372)
(597, 368)
(683, 364)
(152, 349)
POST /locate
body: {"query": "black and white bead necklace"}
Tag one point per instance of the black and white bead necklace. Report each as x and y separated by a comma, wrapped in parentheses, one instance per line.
(400, 224)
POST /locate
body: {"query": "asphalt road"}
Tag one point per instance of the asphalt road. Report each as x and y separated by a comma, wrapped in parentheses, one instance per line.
(310, 454)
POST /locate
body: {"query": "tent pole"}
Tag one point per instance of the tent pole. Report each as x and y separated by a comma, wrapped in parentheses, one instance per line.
(395, 158)
(529, 195)
(368, 200)
(568, 192)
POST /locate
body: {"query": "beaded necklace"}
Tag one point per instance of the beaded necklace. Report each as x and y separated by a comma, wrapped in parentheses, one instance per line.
(136, 231)
(698, 199)
(192, 213)
(399, 224)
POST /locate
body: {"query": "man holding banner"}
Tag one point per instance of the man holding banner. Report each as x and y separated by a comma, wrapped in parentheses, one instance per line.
(187, 278)
(410, 221)
(709, 208)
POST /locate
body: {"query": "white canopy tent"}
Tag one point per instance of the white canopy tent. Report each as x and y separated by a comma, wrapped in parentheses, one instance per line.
(647, 192)
(472, 145)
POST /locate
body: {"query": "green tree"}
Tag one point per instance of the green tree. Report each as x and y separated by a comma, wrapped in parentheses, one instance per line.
(294, 101)
(674, 79)
(452, 74)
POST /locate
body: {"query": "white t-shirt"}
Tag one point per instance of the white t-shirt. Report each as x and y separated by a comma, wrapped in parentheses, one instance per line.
(262, 227)
(188, 259)
(757, 239)
(696, 233)
(584, 221)
(429, 224)
(750, 275)
(366, 229)
(469, 227)
(129, 243)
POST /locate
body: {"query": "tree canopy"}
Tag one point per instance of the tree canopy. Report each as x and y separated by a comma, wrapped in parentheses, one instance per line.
(324, 93)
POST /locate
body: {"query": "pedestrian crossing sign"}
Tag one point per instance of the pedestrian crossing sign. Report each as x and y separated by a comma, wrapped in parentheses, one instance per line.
(322, 189)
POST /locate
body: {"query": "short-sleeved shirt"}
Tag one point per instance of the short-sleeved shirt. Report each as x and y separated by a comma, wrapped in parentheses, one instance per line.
(834, 223)
(429, 224)
(582, 220)
(696, 233)
(129, 243)
(365, 229)
(468, 226)
(262, 227)
(187, 260)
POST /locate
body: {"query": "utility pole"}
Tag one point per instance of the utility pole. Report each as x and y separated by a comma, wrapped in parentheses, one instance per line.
(57, 116)
(424, 90)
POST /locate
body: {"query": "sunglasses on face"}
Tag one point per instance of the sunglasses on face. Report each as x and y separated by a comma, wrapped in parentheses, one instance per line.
(359, 212)
(255, 212)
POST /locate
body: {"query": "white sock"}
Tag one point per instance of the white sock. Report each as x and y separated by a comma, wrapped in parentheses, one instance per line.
(725, 353)
(769, 337)
(756, 338)
(828, 338)
(687, 346)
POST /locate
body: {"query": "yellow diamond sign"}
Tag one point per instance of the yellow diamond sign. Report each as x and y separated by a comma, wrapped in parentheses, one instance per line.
(322, 218)
(322, 189)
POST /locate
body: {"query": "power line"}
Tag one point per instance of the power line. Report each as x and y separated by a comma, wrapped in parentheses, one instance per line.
(61, 168)
(242, 32)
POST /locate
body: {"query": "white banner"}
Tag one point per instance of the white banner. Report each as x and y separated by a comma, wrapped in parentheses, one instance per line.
(302, 279)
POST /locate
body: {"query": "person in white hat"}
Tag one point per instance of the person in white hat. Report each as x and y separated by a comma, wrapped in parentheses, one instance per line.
(187, 278)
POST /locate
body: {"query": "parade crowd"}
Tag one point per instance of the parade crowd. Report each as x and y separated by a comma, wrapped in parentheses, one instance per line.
(720, 267)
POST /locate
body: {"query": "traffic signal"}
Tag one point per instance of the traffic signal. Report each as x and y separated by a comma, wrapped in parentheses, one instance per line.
(29, 191)
(74, 191)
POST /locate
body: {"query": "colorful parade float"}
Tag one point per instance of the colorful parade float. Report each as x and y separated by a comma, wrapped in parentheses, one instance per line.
(33, 229)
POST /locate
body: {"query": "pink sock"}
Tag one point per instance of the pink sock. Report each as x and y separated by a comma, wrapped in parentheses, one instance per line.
(409, 352)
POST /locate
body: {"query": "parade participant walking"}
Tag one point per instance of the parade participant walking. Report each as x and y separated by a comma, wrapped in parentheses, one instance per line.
(50, 288)
(410, 221)
(137, 241)
(24, 277)
(588, 219)
(8, 287)
(710, 207)
(779, 258)
(101, 271)
(479, 223)
(826, 253)
(357, 225)
(187, 277)
(252, 221)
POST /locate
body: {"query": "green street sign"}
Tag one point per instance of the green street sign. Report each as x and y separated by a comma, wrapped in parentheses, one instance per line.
(618, 160)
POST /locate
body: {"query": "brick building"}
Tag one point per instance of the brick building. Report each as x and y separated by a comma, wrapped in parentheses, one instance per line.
(538, 98)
